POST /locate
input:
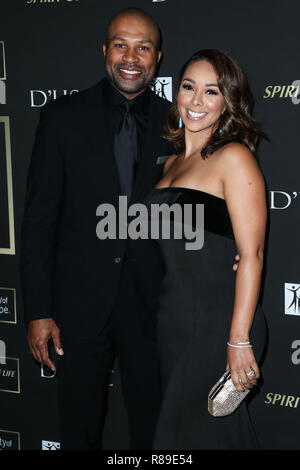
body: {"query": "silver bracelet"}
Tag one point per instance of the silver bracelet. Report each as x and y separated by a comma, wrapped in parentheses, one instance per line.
(233, 345)
(238, 342)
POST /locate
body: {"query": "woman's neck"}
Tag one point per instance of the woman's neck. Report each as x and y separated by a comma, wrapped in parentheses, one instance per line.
(195, 141)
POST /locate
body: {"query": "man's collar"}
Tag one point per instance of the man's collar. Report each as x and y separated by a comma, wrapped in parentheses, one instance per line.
(112, 97)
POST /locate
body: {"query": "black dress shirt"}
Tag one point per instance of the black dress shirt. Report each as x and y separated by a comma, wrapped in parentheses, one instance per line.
(112, 100)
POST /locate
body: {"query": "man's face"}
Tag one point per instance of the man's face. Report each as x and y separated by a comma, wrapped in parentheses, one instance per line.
(131, 55)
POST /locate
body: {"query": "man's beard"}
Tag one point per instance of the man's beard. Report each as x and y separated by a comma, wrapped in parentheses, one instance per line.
(129, 88)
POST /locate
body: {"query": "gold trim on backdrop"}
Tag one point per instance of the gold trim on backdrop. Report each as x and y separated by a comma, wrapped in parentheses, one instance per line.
(14, 432)
(3, 60)
(15, 305)
(18, 391)
(11, 250)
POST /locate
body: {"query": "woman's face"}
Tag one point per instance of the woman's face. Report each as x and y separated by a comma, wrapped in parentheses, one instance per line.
(200, 102)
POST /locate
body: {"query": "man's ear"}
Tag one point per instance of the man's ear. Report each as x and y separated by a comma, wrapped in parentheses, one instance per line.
(158, 57)
(104, 49)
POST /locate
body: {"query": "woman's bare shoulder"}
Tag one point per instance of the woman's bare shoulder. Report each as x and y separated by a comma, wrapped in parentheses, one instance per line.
(239, 168)
(234, 152)
(235, 158)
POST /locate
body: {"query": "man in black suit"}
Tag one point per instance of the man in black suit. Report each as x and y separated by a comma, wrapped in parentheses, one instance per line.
(97, 298)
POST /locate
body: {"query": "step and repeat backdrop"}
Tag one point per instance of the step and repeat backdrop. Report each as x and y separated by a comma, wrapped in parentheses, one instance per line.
(50, 48)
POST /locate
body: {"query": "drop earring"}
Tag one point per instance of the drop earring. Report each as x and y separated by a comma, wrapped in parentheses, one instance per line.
(180, 123)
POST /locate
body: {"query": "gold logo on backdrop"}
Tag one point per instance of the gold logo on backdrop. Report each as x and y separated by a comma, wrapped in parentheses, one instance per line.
(8, 305)
(49, 2)
(7, 230)
(2, 61)
(279, 399)
(281, 91)
(10, 375)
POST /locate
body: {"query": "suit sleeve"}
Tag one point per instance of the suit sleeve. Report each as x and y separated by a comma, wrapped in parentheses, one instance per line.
(39, 228)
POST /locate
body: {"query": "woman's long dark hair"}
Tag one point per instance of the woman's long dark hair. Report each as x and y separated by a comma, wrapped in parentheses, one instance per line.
(236, 123)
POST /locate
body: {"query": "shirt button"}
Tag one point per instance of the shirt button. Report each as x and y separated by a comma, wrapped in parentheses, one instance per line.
(118, 260)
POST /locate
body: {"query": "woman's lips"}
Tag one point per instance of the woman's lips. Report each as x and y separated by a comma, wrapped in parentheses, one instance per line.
(195, 116)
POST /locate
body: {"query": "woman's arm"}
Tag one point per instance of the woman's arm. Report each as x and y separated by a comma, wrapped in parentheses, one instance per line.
(244, 192)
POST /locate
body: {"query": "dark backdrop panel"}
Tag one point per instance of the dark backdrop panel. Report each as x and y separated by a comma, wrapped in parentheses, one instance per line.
(49, 48)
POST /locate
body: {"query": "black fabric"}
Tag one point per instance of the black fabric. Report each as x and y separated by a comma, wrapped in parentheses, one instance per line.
(113, 99)
(125, 148)
(70, 275)
(217, 219)
(67, 272)
(193, 325)
(88, 364)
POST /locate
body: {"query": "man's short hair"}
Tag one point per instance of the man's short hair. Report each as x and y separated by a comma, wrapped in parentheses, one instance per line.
(133, 11)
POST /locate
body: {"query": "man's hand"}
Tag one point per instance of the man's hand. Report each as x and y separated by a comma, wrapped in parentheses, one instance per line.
(236, 265)
(39, 333)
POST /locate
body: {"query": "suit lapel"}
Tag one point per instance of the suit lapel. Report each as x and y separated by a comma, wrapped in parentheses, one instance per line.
(101, 140)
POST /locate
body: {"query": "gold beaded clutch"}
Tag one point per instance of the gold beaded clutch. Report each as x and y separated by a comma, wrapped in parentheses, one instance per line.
(224, 398)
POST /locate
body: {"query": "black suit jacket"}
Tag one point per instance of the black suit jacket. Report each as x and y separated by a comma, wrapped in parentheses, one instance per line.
(67, 272)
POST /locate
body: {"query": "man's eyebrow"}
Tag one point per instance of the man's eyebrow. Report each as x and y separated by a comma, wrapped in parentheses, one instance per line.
(207, 84)
(141, 41)
(117, 38)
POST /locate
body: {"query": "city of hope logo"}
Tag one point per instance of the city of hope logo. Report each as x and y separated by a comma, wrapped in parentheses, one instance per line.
(10, 375)
(291, 299)
(8, 311)
(50, 445)
(162, 86)
(9, 440)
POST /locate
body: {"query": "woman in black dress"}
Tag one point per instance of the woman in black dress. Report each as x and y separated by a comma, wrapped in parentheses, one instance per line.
(204, 304)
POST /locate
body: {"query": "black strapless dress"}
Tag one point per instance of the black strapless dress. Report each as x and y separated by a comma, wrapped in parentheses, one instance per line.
(194, 318)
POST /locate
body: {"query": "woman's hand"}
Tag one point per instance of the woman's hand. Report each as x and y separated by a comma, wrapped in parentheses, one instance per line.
(241, 362)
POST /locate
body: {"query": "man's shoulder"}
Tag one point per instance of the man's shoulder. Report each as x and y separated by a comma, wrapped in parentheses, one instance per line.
(161, 103)
(69, 104)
